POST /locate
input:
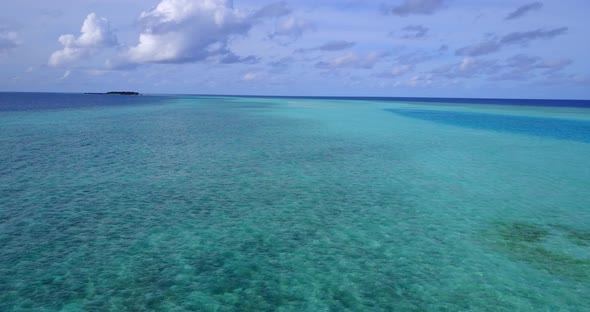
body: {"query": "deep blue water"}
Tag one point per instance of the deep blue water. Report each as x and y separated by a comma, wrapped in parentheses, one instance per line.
(576, 130)
(443, 101)
(16, 101)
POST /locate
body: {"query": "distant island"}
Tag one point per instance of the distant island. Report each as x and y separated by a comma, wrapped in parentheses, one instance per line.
(117, 93)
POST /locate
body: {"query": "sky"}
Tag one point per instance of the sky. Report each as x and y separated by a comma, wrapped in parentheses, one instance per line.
(418, 48)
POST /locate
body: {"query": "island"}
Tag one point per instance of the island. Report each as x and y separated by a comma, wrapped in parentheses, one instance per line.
(116, 93)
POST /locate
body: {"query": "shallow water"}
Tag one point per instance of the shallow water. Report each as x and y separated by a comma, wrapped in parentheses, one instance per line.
(239, 204)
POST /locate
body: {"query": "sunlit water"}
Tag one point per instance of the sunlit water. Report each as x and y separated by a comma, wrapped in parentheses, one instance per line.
(246, 204)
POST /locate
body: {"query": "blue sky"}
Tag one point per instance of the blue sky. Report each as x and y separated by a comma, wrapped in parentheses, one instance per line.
(448, 48)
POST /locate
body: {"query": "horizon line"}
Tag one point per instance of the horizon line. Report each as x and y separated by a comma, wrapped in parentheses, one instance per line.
(360, 97)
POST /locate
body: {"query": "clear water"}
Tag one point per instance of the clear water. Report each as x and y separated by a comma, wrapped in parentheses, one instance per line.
(275, 204)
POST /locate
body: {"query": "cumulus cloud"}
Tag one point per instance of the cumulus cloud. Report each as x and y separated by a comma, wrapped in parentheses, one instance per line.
(495, 44)
(415, 7)
(292, 27)
(181, 31)
(352, 59)
(9, 39)
(522, 10)
(96, 33)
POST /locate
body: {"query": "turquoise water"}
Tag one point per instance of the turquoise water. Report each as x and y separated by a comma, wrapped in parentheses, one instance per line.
(246, 204)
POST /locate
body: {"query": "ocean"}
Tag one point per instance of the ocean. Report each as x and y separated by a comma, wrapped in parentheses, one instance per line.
(222, 203)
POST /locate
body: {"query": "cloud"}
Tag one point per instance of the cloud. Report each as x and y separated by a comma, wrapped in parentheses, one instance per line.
(353, 60)
(182, 31)
(95, 34)
(414, 31)
(230, 58)
(481, 48)
(527, 36)
(65, 75)
(336, 45)
(249, 76)
(420, 80)
(555, 64)
(566, 79)
(417, 57)
(292, 27)
(525, 67)
(580, 78)
(397, 71)
(281, 64)
(519, 67)
(522, 10)
(495, 44)
(9, 40)
(415, 7)
(276, 9)
(467, 68)
(407, 63)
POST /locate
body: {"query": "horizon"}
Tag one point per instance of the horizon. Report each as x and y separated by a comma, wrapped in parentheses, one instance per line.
(379, 48)
(304, 96)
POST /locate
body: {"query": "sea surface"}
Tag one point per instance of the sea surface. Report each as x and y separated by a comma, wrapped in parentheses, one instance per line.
(211, 203)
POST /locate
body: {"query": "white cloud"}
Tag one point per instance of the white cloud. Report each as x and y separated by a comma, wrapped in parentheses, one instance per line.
(182, 31)
(96, 33)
